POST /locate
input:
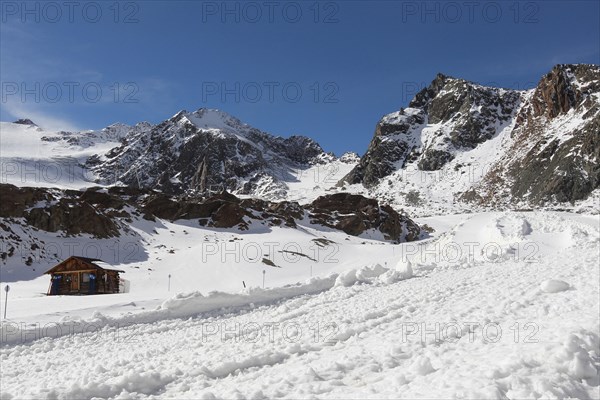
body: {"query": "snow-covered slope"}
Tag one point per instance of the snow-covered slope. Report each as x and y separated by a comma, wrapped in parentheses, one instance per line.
(209, 150)
(41, 227)
(339, 296)
(553, 155)
(460, 146)
(31, 156)
(204, 151)
(499, 305)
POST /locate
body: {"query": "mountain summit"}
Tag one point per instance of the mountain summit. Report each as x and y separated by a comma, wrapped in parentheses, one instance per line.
(489, 146)
(25, 121)
(206, 150)
(553, 154)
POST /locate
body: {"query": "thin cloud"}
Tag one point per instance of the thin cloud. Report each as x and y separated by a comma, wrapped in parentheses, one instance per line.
(42, 118)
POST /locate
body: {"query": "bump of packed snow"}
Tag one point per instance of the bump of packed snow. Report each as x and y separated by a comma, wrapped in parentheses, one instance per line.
(554, 286)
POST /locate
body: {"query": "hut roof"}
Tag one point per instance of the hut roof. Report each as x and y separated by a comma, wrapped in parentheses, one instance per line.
(91, 263)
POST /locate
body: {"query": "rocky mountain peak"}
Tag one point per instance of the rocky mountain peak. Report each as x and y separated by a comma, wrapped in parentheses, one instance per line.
(564, 88)
(207, 150)
(25, 121)
(555, 150)
(547, 139)
(207, 118)
(441, 83)
(449, 116)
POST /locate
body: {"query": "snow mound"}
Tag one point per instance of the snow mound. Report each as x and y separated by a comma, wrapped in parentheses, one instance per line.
(371, 274)
(422, 366)
(404, 268)
(186, 305)
(554, 286)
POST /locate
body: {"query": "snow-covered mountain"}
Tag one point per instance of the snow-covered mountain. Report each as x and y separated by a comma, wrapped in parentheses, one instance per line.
(199, 152)
(459, 145)
(208, 150)
(291, 283)
(447, 118)
(32, 156)
(553, 154)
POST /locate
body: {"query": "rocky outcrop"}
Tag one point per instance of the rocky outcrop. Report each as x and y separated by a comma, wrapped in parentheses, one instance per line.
(105, 213)
(223, 210)
(74, 213)
(356, 215)
(555, 94)
(449, 116)
(16, 201)
(73, 217)
(555, 153)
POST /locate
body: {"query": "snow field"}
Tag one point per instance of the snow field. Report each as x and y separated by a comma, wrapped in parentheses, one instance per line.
(479, 329)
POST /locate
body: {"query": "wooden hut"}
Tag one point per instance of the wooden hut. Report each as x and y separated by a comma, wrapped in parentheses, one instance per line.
(82, 275)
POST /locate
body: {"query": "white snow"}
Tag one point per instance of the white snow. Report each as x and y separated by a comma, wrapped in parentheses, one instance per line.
(404, 268)
(554, 286)
(31, 156)
(470, 324)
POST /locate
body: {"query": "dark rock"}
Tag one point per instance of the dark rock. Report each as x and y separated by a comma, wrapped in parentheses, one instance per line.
(228, 216)
(25, 121)
(14, 201)
(102, 200)
(433, 159)
(540, 167)
(182, 154)
(74, 218)
(355, 214)
(468, 114)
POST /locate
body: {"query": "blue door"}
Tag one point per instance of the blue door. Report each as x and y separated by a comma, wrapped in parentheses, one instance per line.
(55, 284)
(92, 283)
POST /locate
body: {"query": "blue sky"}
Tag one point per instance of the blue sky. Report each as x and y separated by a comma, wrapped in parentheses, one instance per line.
(326, 69)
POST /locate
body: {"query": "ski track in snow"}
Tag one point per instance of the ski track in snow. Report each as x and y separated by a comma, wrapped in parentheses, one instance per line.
(515, 341)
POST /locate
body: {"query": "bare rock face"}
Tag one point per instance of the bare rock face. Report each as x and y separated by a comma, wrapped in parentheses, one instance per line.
(447, 117)
(223, 210)
(229, 215)
(15, 201)
(204, 152)
(555, 156)
(74, 218)
(74, 213)
(105, 213)
(355, 214)
(554, 94)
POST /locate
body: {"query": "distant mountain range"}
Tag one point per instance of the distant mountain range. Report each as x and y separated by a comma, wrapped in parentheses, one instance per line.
(457, 146)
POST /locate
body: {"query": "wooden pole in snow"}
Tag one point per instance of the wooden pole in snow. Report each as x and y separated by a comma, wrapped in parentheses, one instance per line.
(6, 289)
